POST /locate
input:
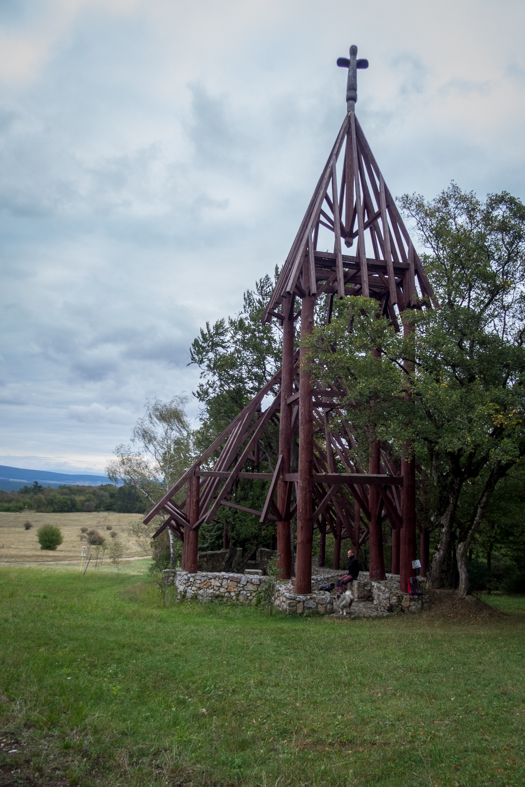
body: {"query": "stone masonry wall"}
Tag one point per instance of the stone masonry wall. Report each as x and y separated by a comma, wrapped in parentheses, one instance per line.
(290, 602)
(207, 585)
(204, 585)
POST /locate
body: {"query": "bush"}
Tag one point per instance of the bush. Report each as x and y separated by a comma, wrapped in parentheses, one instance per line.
(478, 575)
(84, 529)
(113, 534)
(49, 537)
(108, 527)
(27, 525)
(94, 538)
(514, 582)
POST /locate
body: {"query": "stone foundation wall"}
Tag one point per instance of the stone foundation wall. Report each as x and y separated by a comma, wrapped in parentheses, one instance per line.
(288, 601)
(204, 585)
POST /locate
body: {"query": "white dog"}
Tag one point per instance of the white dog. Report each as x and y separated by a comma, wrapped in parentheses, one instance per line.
(344, 602)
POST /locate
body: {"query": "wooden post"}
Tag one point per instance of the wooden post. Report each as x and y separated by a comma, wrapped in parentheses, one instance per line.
(303, 568)
(377, 561)
(284, 546)
(192, 536)
(408, 532)
(396, 541)
(256, 447)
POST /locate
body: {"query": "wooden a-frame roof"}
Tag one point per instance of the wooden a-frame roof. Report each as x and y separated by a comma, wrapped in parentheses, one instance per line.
(372, 255)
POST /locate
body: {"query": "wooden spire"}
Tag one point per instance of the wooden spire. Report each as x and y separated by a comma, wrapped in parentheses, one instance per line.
(369, 253)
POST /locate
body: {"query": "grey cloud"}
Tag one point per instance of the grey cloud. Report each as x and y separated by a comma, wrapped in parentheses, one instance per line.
(415, 74)
(215, 133)
(465, 87)
(142, 192)
(98, 414)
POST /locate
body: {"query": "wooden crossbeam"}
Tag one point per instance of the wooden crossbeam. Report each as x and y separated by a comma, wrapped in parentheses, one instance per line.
(351, 478)
(229, 504)
(268, 501)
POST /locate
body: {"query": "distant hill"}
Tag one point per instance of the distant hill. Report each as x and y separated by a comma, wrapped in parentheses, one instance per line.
(13, 478)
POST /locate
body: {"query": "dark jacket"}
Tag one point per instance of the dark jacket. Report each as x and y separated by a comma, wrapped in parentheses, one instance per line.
(353, 567)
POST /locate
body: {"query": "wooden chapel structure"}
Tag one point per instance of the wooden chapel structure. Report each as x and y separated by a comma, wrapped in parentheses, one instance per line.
(373, 256)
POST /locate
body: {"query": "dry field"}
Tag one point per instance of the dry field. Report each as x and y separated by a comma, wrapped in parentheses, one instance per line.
(18, 545)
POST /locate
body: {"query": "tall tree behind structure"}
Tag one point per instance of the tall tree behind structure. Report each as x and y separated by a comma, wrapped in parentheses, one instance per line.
(161, 450)
(236, 357)
(466, 412)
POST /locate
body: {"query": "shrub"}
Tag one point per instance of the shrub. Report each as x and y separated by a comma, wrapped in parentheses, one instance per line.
(83, 529)
(27, 525)
(116, 551)
(94, 538)
(514, 582)
(108, 527)
(113, 534)
(478, 575)
(49, 537)
(266, 594)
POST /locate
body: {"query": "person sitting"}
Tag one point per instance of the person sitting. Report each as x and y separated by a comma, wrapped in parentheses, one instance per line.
(352, 571)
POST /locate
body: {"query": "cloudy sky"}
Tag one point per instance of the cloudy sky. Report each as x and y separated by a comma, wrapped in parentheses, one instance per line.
(156, 157)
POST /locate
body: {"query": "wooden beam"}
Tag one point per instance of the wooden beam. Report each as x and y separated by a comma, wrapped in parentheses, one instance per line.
(351, 478)
(228, 504)
(277, 473)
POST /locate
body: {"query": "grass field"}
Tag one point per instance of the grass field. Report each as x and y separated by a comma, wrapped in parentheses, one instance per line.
(102, 685)
(18, 545)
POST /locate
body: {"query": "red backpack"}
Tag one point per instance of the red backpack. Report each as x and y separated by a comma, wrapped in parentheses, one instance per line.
(413, 587)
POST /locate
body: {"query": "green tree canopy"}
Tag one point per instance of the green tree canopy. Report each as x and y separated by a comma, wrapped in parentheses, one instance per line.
(453, 388)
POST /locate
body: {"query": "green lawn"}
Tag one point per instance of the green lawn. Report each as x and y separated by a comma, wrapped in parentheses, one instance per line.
(510, 605)
(103, 686)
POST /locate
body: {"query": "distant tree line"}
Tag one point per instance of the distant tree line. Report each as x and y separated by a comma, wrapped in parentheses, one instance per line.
(124, 499)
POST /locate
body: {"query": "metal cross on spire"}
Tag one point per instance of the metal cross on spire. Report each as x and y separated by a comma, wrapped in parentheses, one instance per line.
(351, 64)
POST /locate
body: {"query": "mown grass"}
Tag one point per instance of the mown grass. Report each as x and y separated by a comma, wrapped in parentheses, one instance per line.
(510, 605)
(104, 686)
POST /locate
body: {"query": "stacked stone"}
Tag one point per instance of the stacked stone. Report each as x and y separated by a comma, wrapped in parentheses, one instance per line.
(290, 602)
(372, 598)
(207, 585)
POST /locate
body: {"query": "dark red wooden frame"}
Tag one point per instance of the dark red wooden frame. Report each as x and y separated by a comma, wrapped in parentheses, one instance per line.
(352, 202)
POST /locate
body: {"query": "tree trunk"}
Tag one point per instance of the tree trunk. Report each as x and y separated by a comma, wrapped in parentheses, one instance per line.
(172, 547)
(489, 568)
(435, 578)
(463, 546)
(424, 550)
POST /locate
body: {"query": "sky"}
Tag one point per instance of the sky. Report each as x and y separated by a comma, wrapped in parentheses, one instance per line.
(156, 159)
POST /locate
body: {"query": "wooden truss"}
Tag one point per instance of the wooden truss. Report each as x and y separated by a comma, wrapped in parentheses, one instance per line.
(353, 211)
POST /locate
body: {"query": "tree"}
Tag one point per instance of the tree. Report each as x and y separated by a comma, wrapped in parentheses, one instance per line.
(236, 357)
(49, 537)
(160, 452)
(463, 366)
(116, 552)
